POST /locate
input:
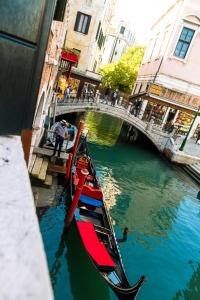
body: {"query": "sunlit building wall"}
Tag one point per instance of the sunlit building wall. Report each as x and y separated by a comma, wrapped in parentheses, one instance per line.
(50, 69)
(171, 61)
(118, 39)
(89, 21)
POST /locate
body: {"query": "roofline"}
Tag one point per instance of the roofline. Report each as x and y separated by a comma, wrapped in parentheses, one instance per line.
(165, 13)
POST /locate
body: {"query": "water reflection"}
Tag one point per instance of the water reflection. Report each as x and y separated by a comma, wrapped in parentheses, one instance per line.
(99, 131)
(192, 292)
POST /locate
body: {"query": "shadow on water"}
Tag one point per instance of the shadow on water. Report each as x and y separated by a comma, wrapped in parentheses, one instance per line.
(85, 280)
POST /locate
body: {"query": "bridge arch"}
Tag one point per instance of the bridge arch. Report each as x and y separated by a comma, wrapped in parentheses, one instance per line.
(117, 111)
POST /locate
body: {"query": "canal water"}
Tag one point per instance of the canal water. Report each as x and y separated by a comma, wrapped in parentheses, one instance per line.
(155, 200)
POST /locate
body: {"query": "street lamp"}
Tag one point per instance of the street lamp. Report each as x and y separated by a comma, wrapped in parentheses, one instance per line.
(186, 137)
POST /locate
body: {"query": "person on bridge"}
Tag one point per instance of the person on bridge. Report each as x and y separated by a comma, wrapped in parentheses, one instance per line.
(114, 97)
(61, 133)
(67, 93)
(106, 95)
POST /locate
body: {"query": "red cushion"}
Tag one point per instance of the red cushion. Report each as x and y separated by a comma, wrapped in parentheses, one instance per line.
(92, 192)
(95, 248)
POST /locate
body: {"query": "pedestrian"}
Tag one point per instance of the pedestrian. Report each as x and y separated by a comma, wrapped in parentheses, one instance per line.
(106, 95)
(137, 107)
(67, 93)
(198, 137)
(114, 97)
(84, 93)
(61, 133)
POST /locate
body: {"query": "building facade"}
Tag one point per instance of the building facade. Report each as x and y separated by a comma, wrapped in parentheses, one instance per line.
(168, 83)
(50, 70)
(89, 21)
(118, 39)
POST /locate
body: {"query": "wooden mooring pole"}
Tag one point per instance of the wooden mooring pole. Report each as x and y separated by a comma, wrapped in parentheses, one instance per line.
(69, 164)
(81, 124)
(79, 188)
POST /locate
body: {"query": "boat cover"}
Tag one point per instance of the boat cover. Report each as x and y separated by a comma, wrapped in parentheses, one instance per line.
(90, 201)
(95, 248)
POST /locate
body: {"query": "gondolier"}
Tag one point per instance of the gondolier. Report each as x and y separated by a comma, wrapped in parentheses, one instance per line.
(61, 133)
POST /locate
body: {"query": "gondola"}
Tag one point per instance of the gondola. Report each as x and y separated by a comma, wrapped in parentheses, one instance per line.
(95, 228)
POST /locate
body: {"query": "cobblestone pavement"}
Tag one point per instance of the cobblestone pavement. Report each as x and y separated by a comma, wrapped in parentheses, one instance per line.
(190, 148)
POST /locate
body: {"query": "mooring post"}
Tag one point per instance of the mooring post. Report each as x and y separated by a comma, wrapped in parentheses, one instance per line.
(69, 163)
(81, 124)
(75, 201)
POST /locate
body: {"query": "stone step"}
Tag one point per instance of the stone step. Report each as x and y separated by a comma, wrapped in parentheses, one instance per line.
(43, 169)
(192, 172)
(37, 166)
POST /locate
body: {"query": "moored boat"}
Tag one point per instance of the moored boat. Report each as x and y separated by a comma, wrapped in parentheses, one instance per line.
(95, 227)
(67, 144)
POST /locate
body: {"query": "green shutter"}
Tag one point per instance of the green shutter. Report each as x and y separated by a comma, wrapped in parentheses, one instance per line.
(78, 16)
(88, 25)
(99, 26)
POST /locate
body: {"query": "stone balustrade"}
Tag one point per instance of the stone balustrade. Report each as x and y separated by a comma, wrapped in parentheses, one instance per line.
(23, 266)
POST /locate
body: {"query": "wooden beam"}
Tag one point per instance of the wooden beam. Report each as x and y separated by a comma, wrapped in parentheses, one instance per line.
(33, 158)
(48, 152)
(37, 166)
(57, 169)
(43, 170)
(48, 180)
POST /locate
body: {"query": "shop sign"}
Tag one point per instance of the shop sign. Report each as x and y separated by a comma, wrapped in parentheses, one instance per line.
(174, 95)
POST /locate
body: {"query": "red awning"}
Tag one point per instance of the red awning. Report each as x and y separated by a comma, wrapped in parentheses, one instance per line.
(71, 57)
(95, 248)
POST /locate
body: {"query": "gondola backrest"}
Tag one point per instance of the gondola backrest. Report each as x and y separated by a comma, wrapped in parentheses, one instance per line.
(92, 192)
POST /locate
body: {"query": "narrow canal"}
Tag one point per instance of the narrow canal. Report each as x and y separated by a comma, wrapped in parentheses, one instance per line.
(159, 205)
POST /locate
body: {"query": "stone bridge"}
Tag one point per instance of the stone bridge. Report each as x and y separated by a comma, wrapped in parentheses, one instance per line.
(163, 141)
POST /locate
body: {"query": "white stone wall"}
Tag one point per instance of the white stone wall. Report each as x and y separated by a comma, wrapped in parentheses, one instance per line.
(23, 266)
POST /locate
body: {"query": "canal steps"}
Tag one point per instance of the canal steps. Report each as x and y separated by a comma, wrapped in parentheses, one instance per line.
(43, 165)
(194, 171)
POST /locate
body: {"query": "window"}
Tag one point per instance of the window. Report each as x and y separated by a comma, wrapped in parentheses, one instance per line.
(152, 50)
(184, 42)
(60, 10)
(82, 22)
(101, 39)
(122, 29)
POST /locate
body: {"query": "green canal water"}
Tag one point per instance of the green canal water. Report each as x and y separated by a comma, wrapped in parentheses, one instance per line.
(159, 205)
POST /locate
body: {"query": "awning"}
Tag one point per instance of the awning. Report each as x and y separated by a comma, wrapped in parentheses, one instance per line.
(166, 102)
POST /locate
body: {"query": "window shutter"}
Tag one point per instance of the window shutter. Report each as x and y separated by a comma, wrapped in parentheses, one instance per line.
(88, 25)
(98, 30)
(60, 10)
(78, 16)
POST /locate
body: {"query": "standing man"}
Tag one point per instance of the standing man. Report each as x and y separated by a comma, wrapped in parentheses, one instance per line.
(61, 133)
(114, 98)
(106, 95)
(67, 93)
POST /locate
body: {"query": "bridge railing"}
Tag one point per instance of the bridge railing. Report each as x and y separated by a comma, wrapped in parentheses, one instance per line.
(154, 131)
